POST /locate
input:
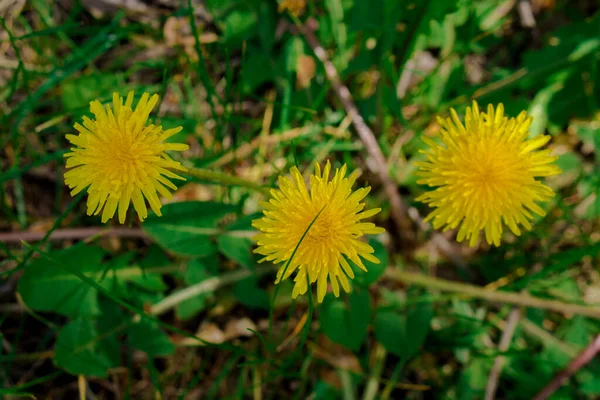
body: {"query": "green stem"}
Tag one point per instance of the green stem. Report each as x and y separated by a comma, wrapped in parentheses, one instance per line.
(373, 383)
(521, 299)
(226, 179)
(347, 387)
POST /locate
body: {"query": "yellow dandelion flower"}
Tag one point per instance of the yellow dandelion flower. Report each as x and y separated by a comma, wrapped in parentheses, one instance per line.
(294, 7)
(485, 174)
(333, 237)
(121, 160)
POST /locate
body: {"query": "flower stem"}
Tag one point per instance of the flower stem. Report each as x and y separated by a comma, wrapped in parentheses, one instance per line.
(226, 179)
(521, 299)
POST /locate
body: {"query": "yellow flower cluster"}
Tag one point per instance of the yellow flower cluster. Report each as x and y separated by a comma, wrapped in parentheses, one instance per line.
(483, 176)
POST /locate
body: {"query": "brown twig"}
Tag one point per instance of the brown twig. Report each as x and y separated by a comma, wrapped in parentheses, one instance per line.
(72, 233)
(365, 133)
(578, 362)
(399, 213)
(509, 330)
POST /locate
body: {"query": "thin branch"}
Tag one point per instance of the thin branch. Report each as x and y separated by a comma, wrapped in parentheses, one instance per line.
(519, 299)
(72, 233)
(578, 362)
(365, 133)
(509, 330)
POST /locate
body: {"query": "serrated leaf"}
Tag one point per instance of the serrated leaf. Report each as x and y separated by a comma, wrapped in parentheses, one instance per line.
(346, 324)
(186, 228)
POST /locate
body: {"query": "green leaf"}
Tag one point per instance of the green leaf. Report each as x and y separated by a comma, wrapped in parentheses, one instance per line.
(239, 26)
(237, 249)
(197, 271)
(82, 350)
(403, 335)
(155, 257)
(590, 383)
(235, 242)
(46, 287)
(78, 92)
(69, 295)
(148, 337)
(389, 331)
(250, 294)
(473, 378)
(560, 262)
(258, 69)
(186, 228)
(347, 324)
(374, 271)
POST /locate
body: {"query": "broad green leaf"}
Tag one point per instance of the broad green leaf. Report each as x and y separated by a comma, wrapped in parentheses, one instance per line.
(147, 336)
(473, 378)
(258, 68)
(237, 249)
(403, 335)
(73, 297)
(250, 294)
(235, 242)
(155, 257)
(46, 287)
(389, 331)
(324, 391)
(79, 91)
(187, 228)
(239, 26)
(346, 324)
(590, 383)
(374, 271)
(82, 350)
(197, 270)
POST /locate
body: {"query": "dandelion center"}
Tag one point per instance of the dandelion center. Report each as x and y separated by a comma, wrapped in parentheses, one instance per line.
(323, 231)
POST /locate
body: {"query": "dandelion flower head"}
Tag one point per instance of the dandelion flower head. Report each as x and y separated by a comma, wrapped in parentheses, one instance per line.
(122, 160)
(484, 173)
(334, 214)
(294, 7)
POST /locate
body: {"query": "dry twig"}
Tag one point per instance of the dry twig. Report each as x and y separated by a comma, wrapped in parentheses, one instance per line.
(365, 133)
(509, 330)
(72, 233)
(578, 362)
(399, 212)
